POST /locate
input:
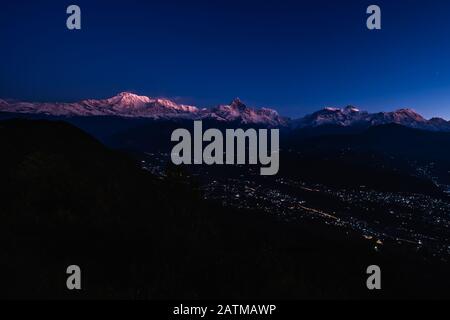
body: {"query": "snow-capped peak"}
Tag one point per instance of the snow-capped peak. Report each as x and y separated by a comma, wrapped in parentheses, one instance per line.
(409, 112)
(238, 104)
(351, 109)
(347, 109)
(351, 116)
(127, 99)
(130, 105)
(126, 104)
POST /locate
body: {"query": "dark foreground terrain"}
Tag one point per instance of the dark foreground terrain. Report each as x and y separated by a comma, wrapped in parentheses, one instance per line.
(66, 199)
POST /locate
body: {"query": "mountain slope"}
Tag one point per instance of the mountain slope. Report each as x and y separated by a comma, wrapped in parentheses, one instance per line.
(237, 111)
(401, 149)
(66, 199)
(129, 105)
(125, 104)
(353, 117)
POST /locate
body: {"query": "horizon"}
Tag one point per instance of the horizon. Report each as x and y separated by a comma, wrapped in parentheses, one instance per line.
(296, 58)
(179, 101)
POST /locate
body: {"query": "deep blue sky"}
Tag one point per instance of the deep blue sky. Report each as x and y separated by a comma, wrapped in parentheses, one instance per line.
(296, 56)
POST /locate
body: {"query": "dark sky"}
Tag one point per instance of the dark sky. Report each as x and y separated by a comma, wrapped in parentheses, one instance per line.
(296, 56)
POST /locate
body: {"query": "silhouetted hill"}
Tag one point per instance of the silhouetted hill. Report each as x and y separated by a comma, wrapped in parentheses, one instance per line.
(379, 157)
(66, 199)
(391, 138)
(156, 135)
(387, 156)
(101, 127)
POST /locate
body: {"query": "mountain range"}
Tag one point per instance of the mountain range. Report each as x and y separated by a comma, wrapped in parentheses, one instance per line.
(129, 105)
(353, 117)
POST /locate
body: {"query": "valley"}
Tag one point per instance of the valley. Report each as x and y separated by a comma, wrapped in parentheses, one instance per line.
(415, 221)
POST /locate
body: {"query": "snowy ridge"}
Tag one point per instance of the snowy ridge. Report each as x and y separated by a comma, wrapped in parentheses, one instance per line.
(129, 105)
(351, 117)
